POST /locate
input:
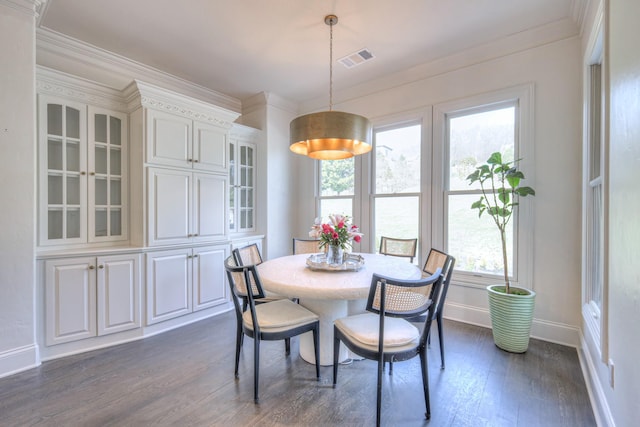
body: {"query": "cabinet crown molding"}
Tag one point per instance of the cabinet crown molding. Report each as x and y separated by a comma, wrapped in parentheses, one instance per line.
(140, 94)
(57, 83)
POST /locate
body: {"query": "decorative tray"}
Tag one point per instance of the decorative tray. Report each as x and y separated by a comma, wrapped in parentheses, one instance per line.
(352, 262)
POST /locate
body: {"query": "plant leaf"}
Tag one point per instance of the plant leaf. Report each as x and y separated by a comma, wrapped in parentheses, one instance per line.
(525, 191)
(495, 159)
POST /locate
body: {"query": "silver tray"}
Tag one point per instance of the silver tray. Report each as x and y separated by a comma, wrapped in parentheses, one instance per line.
(352, 262)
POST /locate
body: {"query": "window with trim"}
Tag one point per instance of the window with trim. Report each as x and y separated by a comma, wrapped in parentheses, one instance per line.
(396, 183)
(471, 131)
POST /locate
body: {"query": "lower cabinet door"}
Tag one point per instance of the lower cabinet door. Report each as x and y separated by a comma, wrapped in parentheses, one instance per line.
(118, 293)
(70, 299)
(168, 284)
(209, 282)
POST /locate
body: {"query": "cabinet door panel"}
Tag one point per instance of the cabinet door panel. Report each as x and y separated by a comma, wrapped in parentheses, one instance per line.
(62, 169)
(169, 206)
(210, 215)
(118, 293)
(168, 284)
(209, 285)
(168, 139)
(209, 148)
(107, 164)
(70, 295)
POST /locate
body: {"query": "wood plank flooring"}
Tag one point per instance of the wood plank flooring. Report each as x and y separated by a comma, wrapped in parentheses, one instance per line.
(185, 377)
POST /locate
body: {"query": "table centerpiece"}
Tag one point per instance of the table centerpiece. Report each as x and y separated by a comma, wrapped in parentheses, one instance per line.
(337, 236)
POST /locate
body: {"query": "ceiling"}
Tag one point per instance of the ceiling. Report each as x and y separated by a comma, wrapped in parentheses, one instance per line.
(241, 48)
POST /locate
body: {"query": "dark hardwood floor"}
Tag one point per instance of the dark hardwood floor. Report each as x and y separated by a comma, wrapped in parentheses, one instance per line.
(185, 377)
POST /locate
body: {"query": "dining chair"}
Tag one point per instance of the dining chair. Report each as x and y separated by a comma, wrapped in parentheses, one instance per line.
(384, 333)
(269, 321)
(306, 246)
(398, 247)
(439, 260)
(248, 255)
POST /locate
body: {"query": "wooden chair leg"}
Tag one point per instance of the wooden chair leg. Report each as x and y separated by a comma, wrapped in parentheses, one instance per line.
(316, 349)
(441, 340)
(379, 389)
(239, 336)
(256, 367)
(425, 381)
(336, 355)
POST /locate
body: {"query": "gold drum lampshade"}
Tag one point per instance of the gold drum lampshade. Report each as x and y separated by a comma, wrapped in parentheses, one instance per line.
(330, 135)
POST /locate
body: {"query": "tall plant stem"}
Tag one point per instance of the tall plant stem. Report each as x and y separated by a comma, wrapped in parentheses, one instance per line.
(503, 237)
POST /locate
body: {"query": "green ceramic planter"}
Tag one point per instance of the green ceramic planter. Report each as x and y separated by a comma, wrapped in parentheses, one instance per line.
(511, 318)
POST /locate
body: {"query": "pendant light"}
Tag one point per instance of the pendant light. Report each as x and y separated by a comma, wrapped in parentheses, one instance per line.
(330, 135)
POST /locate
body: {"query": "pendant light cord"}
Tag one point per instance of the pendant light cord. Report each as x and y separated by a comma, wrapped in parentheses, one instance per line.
(331, 66)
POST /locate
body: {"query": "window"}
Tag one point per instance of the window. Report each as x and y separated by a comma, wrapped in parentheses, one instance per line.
(396, 178)
(413, 183)
(472, 137)
(467, 132)
(594, 191)
(337, 187)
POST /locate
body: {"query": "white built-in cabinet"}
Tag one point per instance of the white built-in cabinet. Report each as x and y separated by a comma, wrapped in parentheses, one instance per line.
(186, 203)
(173, 140)
(91, 296)
(185, 206)
(133, 210)
(82, 173)
(180, 281)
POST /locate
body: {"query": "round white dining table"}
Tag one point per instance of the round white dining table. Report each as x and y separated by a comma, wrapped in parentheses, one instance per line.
(329, 294)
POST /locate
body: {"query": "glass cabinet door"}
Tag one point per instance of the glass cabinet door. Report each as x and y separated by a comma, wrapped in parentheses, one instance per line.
(241, 187)
(246, 174)
(63, 172)
(107, 169)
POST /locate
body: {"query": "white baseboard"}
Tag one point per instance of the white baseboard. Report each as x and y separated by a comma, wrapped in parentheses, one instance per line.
(597, 396)
(18, 360)
(558, 333)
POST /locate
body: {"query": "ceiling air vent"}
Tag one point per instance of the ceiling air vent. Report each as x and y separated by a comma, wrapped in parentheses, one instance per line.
(356, 58)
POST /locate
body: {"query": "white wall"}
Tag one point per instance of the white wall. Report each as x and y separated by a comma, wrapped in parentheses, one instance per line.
(18, 350)
(556, 73)
(624, 205)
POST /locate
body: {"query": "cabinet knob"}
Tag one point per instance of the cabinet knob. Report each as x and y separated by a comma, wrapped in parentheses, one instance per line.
(91, 267)
(195, 235)
(195, 160)
(195, 256)
(92, 173)
(83, 173)
(189, 160)
(101, 266)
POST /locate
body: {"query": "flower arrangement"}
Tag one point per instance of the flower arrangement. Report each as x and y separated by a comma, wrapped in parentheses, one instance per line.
(336, 233)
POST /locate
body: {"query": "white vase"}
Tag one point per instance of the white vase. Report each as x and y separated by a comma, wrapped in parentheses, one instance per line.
(335, 255)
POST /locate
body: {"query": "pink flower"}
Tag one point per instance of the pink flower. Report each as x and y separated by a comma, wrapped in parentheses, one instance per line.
(357, 238)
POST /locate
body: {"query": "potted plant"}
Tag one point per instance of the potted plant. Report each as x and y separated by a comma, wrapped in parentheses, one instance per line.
(510, 307)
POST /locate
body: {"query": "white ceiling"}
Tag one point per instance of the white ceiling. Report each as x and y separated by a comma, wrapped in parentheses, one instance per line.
(244, 47)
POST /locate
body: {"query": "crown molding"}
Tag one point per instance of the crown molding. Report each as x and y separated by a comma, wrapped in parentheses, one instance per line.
(70, 52)
(56, 83)
(578, 13)
(494, 50)
(141, 94)
(263, 99)
(29, 7)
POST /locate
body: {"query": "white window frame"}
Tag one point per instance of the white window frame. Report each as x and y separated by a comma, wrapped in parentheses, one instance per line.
(523, 97)
(595, 318)
(373, 194)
